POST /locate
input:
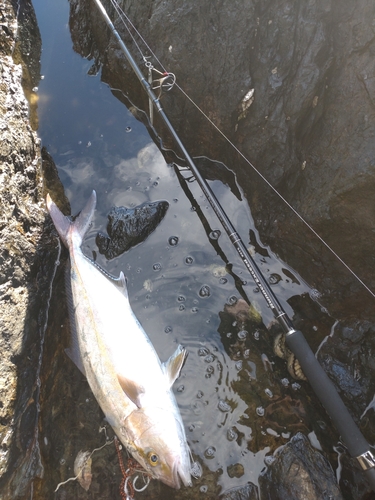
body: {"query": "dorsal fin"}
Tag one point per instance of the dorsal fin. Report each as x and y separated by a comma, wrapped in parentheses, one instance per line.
(119, 282)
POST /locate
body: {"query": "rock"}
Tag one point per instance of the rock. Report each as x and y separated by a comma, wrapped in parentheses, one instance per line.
(235, 470)
(248, 492)
(347, 359)
(27, 255)
(128, 227)
(27, 50)
(299, 471)
(52, 183)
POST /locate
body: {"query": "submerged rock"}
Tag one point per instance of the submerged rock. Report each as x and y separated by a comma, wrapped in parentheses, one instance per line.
(128, 227)
(248, 492)
(299, 471)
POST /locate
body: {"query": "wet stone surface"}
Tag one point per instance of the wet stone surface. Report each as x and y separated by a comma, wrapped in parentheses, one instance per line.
(309, 70)
(128, 227)
(299, 471)
(248, 492)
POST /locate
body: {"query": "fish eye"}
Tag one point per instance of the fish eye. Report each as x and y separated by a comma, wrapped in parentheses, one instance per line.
(153, 458)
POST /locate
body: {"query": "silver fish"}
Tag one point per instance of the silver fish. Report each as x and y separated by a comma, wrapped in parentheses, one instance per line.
(110, 347)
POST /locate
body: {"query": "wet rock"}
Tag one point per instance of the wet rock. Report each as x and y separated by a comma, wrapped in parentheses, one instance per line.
(128, 227)
(351, 485)
(52, 183)
(245, 313)
(299, 471)
(275, 411)
(27, 52)
(248, 492)
(347, 357)
(344, 379)
(236, 470)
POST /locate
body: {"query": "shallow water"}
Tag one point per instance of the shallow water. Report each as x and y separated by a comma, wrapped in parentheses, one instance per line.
(180, 287)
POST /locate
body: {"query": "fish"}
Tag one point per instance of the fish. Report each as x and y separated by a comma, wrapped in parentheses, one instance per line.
(110, 347)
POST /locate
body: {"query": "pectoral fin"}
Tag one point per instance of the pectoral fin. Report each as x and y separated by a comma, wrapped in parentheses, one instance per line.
(173, 366)
(133, 390)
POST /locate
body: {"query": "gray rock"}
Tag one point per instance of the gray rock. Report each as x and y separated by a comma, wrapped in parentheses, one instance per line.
(299, 471)
(248, 492)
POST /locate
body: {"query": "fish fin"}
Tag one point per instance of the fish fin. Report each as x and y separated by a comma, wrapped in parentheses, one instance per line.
(73, 351)
(62, 222)
(133, 390)
(65, 227)
(75, 356)
(173, 366)
(119, 282)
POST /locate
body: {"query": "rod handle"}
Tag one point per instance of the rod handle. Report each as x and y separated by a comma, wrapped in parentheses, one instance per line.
(330, 399)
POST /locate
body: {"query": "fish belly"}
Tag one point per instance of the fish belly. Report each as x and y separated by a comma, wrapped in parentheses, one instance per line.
(95, 355)
(112, 343)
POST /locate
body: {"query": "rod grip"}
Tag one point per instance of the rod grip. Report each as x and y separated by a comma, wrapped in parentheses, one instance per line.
(330, 399)
(370, 475)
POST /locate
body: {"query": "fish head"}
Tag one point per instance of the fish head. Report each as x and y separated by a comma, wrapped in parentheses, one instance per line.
(157, 440)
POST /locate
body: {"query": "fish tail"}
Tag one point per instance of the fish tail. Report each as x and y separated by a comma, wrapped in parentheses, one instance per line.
(72, 230)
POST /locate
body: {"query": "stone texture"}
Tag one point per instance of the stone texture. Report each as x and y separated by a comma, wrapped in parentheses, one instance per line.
(128, 227)
(299, 472)
(25, 279)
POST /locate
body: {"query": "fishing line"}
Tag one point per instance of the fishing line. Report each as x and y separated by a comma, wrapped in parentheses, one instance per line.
(122, 15)
(238, 282)
(125, 19)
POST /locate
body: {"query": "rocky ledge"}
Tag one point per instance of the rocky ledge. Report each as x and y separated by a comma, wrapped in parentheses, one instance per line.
(26, 267)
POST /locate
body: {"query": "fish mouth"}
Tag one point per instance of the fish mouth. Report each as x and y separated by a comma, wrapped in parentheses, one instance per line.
(176, 477)
(179, 474)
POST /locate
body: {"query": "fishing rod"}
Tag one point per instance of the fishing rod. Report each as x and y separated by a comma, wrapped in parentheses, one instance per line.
(318, 379)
